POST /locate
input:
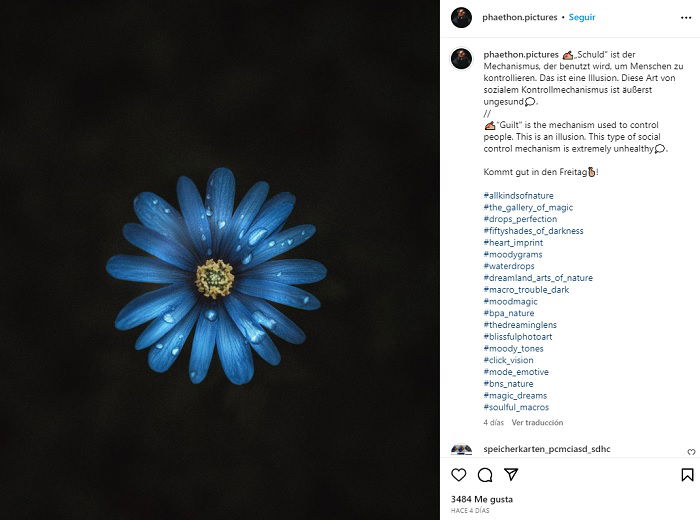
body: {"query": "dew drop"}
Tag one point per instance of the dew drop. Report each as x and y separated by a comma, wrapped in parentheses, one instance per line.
(209, 251)
(256, 335)
(167, 210)
(193, 374)
(256, 236)
(175, 351)
(155, 202)
(221, 224)
(168, 318)
(209, 212)
(271, 243)
(238, 248)
(306, 300)
(211, 315)
(303, 233)
(264, 320)
(247, 259)
(279, 274)
(240, 235)
(203, 237)
(159, 346)
(208, 196)
(290, 241)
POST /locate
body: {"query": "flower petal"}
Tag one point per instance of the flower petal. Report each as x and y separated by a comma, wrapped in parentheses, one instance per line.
(144, 269)
(267, 350)
(156, 244)
(277, 292)
(219, 201)
(244, 215)
(149, 305)
(165, 352)
(287, 271)
(195, 216)
(155, 213)
(166, 322)
(273, 320)
(278, 244)
(243, 319)
(203, 345)
(234, 352)
(272, 215)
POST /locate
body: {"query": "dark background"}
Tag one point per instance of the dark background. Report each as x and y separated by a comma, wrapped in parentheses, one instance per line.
(335, 102)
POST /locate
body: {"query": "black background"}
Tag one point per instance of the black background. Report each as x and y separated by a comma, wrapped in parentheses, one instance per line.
(335, 102)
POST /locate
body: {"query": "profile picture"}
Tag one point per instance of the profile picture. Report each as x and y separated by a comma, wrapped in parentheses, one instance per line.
(461, 449)
(461, 58)
(461, 17)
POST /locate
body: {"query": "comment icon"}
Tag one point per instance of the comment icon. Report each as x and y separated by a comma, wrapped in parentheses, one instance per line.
(485, 475)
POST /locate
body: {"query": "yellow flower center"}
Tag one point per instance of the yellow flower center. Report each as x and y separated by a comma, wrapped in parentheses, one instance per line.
(214, 278)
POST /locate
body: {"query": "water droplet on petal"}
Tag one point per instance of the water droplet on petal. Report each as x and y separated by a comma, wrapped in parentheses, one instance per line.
(168, 318)
(167, 210)
(209, 251)
(211, 315)
(208, 196)
(203, 237)
(256, 235)
(238, 248)
(290, 241)
(175, 351)
(247, 259)
(264, 320)
(279, 274)
(221, 224)
(306, 300)
(159, 346)
(240, 235)
(209, 212)
(303, 233)
(193, 374)
(255, 335)
(271, 243)
(155, 201)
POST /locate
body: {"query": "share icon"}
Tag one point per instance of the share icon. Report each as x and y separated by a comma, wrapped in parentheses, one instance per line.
(511, 472)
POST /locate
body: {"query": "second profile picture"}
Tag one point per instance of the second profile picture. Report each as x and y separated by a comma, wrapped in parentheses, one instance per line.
(461, 58)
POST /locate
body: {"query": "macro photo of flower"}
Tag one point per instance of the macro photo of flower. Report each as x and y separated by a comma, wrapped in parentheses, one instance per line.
(185, 184)
(217, 264)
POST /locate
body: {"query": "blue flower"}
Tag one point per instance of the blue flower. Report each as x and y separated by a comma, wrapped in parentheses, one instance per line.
(217, 264)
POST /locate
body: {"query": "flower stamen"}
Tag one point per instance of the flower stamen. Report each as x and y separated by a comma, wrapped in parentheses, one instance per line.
(214, 278)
